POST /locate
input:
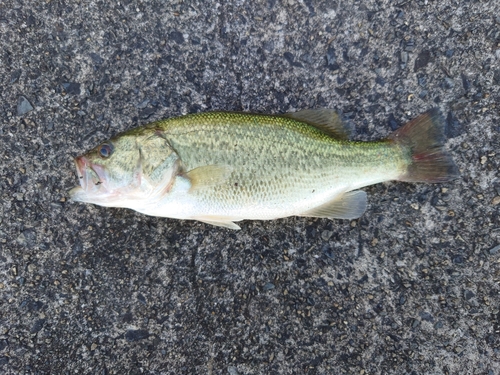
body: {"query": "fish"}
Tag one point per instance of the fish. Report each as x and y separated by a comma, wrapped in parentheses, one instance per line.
(224, 167)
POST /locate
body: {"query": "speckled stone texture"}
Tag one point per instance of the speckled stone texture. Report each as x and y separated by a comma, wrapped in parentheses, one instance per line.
(412, 287)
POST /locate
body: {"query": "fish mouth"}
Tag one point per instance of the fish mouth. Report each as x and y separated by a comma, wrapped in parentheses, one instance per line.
(91, 178)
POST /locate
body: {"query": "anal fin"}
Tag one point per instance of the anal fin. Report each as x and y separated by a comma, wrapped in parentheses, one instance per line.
(350, 205)
(224, 224)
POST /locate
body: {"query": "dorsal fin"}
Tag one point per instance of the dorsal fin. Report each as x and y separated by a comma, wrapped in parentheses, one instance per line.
(326, 120)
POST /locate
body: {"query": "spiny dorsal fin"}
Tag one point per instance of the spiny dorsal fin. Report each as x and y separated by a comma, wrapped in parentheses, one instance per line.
(208, 175)
(326, 120)
(350, 205)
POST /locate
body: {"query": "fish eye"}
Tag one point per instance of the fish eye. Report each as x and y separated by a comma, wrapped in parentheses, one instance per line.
(105, 150)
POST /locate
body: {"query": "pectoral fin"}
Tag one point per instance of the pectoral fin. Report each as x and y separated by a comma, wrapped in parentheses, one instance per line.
(208, 175)
(349, 205)
(326, 120)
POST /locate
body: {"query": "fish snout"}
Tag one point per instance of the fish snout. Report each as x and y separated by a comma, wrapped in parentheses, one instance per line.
(81, 163)
(89, 174)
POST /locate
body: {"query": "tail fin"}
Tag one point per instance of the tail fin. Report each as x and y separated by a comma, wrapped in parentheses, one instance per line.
(423, 137)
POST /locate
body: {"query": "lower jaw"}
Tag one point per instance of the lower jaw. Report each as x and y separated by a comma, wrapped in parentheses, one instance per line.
(76, 194)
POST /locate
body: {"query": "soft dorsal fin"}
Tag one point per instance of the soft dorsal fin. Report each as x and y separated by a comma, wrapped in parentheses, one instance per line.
(326, 120)
(350, 205)
(208, 175)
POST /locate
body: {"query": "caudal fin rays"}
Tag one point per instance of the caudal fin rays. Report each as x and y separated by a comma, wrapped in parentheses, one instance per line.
(423, 139)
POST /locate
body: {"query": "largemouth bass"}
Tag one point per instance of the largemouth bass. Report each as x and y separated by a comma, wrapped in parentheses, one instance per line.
(224, 167)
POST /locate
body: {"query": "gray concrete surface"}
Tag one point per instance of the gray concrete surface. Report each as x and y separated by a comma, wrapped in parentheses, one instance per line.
(410, 288)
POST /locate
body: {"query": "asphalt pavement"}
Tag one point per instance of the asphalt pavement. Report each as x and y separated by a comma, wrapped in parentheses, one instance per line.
(412, 287)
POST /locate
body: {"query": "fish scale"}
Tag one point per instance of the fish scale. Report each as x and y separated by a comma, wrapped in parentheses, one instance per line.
(278, 163)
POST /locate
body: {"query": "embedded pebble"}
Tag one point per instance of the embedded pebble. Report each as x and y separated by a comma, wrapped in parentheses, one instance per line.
(23, 106)
(326, 234)
(268, 286)
(136, 335)
(495, 250)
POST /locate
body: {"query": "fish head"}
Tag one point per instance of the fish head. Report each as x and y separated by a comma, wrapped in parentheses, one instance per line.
(124, 170)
